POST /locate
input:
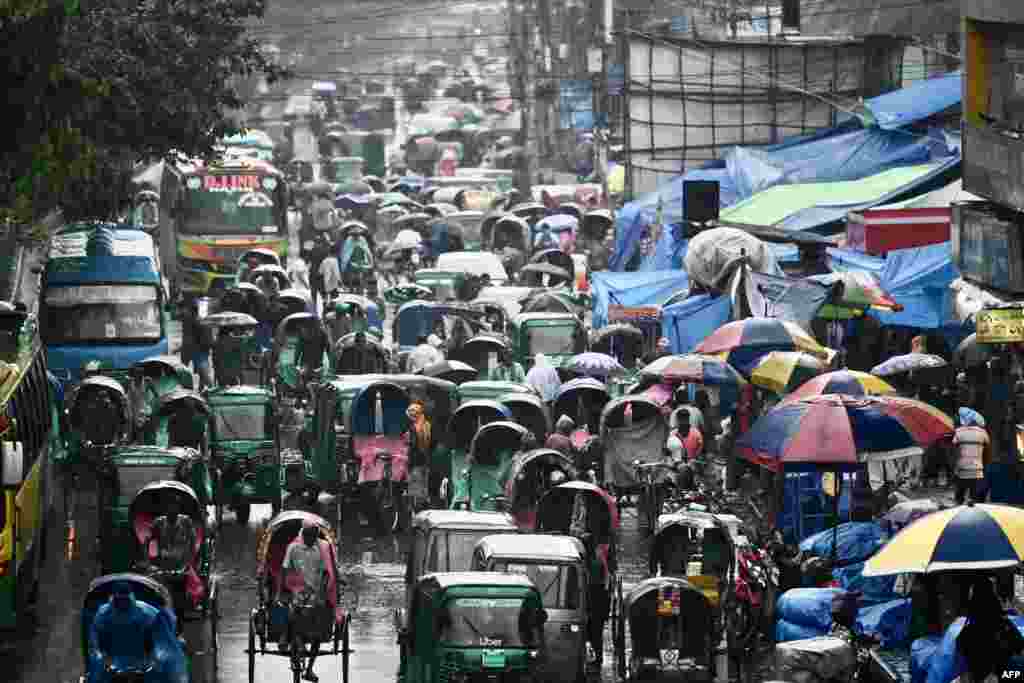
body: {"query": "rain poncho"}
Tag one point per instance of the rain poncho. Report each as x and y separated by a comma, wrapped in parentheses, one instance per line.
(544, 378)
(123, 635)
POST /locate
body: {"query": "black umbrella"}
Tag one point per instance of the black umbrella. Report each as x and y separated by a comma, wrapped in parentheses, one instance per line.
(972, 354)
(451, 370)
(545, 269)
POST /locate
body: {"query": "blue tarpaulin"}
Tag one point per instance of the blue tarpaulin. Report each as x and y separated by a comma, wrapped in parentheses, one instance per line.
(633, 289)
(846, 152)
(919, 280)
(916, 102)
(689, 322)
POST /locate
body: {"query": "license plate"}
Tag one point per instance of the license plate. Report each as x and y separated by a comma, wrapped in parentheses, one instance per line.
(493, 659)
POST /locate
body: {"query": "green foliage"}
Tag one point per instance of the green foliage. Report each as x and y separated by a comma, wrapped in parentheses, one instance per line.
(93, 87)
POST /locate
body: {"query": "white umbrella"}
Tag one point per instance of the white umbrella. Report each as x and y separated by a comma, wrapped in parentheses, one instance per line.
(407, 239)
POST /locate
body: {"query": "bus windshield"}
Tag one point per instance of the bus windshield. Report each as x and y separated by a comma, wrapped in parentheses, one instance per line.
(231, 204)
(102, 313)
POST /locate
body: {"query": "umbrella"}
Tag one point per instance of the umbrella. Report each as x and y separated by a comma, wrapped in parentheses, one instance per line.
(352, 201)
(406, 239)
(857, 290)
(973, 537)
(908, 362)
(451, 370)
(842, 431)
(743, 342)
(972, 354)
(546, 269)
(784, 371)
(849, 382)
(692, 367)
(595, 365)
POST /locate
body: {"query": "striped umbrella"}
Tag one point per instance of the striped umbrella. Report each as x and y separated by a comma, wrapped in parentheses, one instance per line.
(908, 362)
(692, 368)
(849, 382)
(784, 371)
(842, 431)
(743, 342)
(965, 537)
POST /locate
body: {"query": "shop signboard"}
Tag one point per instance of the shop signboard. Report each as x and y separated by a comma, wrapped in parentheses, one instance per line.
(1003, 325)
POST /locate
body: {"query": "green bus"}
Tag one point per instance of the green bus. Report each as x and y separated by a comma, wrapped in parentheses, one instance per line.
(29, 446)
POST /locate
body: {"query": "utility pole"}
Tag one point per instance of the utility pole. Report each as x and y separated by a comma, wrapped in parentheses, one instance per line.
(528, 95)
(602, 123)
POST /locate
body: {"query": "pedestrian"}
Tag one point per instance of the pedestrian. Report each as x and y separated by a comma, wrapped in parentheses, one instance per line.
(543, 377)
(330, 276)
(507, 370)
(688, 435)
(560, 439)
(421, 446)
(973, 452)
(298, 274)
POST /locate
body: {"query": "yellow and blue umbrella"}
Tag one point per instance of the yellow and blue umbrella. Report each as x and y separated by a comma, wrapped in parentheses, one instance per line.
(966, 537)
(784, 371)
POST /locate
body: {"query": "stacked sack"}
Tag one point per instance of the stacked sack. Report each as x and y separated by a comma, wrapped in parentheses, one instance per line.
(804, 613)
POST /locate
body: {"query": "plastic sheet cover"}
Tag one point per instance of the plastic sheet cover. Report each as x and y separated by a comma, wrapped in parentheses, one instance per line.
(946, 663)
(846, 152)
(643, 441)
(689, 322)
(874, 589)
(712, 253)
(916, 102)
(888, 621)
(856, 541)
(809, 607)
(786, 631)
(921, 651)
(633, 289)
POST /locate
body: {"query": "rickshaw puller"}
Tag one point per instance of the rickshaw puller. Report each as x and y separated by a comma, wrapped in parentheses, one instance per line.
(306, 560)
(122, 632)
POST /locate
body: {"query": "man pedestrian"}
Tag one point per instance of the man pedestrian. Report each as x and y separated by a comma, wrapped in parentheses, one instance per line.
(560, 440)
(543, 377)
(330, 277)
(507, 370)
(973, 452)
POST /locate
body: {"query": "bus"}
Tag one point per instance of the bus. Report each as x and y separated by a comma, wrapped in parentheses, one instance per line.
(103, 305)
(29, 449)
(221, 211)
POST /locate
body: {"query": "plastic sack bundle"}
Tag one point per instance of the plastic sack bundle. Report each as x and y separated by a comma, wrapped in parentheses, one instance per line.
(874, 589)
(827, 658)
(714, 253)
(855, 541)
(810, 607)
(888, 621)
(786, 631)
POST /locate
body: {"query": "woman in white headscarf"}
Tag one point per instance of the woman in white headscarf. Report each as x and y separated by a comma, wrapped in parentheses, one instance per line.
(543, 377)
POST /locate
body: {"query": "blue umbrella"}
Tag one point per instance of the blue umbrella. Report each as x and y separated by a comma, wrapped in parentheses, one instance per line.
(594, 364)
(352, 201)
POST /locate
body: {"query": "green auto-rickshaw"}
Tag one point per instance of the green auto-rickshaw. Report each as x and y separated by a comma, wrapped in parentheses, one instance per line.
(480, 484)
(474, 624)
(238, 356)
(449, 285)
(127, 470)
(245, 448)
(301, 354)
(559, 336)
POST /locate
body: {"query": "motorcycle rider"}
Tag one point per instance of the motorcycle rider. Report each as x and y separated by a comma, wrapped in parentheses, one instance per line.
(122, 631)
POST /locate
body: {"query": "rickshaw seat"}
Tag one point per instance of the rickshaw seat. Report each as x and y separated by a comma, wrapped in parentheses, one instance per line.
(143, 528)
(366, 447)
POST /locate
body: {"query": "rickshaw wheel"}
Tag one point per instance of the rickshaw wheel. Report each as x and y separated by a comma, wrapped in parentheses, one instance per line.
(252, 651)
(619, 633)
(345, 650)
(242, 512)
(214, 620)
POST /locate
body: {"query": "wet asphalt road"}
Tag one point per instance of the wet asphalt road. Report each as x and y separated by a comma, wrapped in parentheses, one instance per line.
(53, 655)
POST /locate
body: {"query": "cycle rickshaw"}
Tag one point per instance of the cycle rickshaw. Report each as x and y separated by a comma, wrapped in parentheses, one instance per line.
(305, 622)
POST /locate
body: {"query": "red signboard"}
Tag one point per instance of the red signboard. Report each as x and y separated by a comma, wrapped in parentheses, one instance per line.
(877, 231)
(617, 313)
(231, 183)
